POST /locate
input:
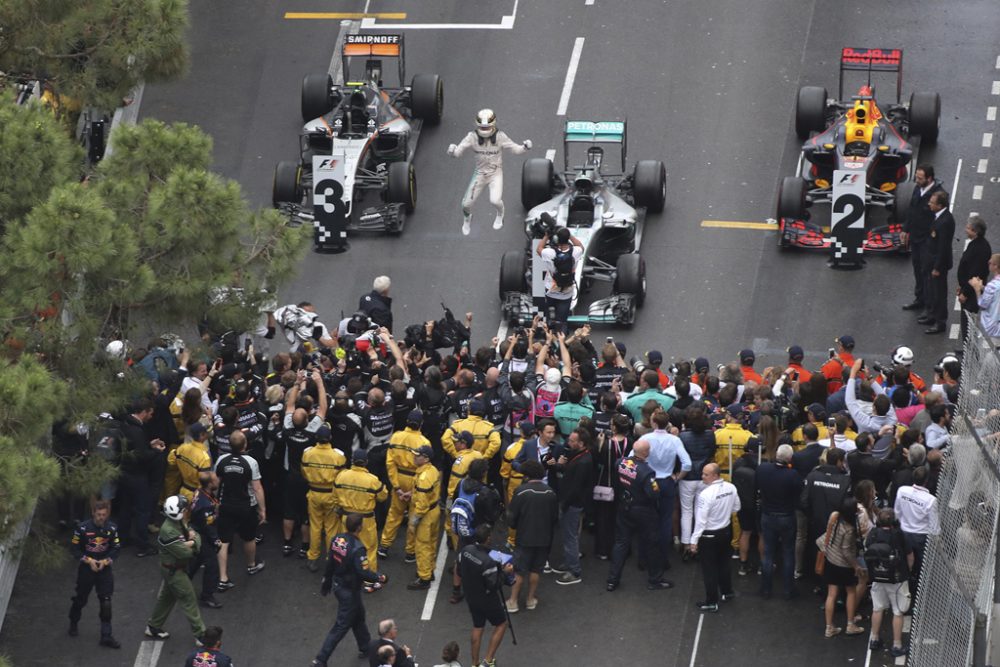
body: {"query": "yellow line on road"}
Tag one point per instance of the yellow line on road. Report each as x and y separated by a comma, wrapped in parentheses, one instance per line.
(732, 224)
(354, 16)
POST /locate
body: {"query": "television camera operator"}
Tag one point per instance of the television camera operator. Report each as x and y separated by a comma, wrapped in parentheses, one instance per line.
(560, 251)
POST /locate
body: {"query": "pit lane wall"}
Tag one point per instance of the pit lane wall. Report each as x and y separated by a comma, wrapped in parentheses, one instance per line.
(953, 612)
(10, 560)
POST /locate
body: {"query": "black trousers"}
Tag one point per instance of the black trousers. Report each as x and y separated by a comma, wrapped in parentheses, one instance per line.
(642, 523)
(715, 554)
(206, 556)
(919, 252)
(86, 581)
(350, 618)
(938, 306)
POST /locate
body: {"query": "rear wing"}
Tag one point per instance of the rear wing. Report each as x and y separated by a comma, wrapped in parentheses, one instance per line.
(595, 132)
(871, 60)
(373, 47)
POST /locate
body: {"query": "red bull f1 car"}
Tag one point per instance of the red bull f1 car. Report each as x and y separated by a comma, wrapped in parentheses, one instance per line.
(856, 134)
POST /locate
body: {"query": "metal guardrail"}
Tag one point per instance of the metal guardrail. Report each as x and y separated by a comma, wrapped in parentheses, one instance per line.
(10, 561)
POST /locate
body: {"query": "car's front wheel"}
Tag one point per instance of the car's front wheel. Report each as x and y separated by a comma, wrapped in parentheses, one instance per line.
(513, 272)
(792, 198)
(402, 185)
(630, 277)
(286, 187)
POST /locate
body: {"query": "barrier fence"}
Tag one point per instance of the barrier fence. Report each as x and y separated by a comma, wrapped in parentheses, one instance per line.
(952, 617)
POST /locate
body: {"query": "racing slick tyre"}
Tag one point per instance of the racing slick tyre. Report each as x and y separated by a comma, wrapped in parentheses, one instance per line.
(792, 198)
(427, 98)
(925, 116)
(650, 183)
(286, 187)
(536, 182)
(317, 96)
(513, 272)
(630, 277)
(810, 111)
(904, 192)
(402, 185)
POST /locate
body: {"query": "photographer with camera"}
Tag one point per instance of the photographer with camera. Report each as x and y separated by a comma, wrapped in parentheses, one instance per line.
(560, 251)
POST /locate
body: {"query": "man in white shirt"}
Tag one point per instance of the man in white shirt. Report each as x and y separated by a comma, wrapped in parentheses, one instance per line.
(882, 411)
(712, 534)
(989, 303)
(936, 434)
(665, 449)
(560, 261)
(917, 512)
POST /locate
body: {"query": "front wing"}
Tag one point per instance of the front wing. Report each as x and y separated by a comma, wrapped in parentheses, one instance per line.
(810, 236)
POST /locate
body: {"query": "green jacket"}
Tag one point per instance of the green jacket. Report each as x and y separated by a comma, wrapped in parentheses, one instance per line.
(171, 540)
(636, 401)
(567, 415)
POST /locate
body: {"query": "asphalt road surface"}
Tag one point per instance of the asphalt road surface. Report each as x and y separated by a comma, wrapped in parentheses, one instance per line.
(708, 88)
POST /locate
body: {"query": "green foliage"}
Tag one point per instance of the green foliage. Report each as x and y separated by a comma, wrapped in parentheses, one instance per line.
(36, 155)
(94, 51)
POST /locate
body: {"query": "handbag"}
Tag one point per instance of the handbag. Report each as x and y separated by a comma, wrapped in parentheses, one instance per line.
(605, 494)
(823, 541)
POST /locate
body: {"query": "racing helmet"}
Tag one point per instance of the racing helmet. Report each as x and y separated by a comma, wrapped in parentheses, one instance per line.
(486, 123)
(174, 507)
(902, 356)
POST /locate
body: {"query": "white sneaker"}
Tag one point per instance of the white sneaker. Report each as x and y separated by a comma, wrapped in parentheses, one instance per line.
(466, 225)
(498, 222)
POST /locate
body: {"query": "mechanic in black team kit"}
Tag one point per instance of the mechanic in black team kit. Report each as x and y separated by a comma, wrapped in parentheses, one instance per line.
(95, 545)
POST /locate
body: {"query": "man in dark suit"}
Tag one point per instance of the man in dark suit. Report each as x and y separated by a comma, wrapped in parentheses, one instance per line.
(917, 231)
(973, 264)
(387, 632)
(942, 236)
(542, 448)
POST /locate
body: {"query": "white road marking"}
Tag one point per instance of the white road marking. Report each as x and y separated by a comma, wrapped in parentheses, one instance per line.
(954, 188)
(550, 154)
(506, 23)
(991, 113)
(996, 88)
(955, 328)
(958, 304)
(589, 2)
(983, 164)
(998, 62)
(987, 139)
(977, 192)
(574, 62)
(697, 638)
(149, 653)
(868, 653)
(432, 592)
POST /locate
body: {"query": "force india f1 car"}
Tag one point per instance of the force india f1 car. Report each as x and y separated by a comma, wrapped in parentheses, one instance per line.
(856, 134)
(373, 128)
(602, 207)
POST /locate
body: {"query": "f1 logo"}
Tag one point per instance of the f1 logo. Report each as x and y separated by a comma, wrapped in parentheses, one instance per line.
(328, 163)
(848, 179)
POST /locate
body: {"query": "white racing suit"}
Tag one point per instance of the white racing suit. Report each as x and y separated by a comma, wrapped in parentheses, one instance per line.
(489, 167)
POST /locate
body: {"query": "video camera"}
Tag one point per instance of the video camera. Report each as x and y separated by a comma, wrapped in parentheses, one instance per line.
(544, 226)
(448, 332)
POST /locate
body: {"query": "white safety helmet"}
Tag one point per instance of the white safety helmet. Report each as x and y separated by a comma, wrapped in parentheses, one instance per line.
(115, 349)
(486, 123)
(174, 507)
(902, 356)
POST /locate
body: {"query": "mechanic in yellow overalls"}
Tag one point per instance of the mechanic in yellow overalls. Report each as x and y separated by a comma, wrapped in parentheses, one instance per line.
(357, 491)
(321, 465)
(513, 477)
(730, 443)
(425, 516)
(402, 470)
(190, 459)
(464, 456)
(486, 436)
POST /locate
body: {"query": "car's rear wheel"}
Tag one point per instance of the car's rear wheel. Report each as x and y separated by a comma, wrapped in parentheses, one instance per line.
(536, 182)
(810, 111)
(630, 277)
(901, 202)
(650, 183)
(513, 272)
(427, 98)
(925, 116)
(792, 198)
(402, 185)
(317, 96)
(286, 187)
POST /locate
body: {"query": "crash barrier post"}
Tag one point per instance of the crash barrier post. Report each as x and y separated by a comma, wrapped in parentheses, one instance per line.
(953, 609)
(10, 560)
